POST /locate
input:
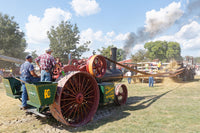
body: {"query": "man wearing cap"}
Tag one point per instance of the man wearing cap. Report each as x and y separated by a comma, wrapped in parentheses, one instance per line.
(28, 75)
(45, 62)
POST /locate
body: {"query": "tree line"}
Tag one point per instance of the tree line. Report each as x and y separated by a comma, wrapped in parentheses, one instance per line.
(162, 50)
(65, 39)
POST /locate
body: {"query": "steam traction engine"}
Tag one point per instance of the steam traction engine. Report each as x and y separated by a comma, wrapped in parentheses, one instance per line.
(78, 90)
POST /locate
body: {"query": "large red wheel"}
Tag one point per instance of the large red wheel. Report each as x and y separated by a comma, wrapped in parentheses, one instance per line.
(96, 66)
(121, 94)
(77, 99)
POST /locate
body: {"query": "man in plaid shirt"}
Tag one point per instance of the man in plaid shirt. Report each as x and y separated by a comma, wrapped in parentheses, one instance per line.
(46, 61)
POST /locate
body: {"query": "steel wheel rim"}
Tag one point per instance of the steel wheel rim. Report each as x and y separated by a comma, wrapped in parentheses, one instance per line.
(78, 100)
(121, 94)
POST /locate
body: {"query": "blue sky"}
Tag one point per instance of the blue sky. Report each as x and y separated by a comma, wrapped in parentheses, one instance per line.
(107, 22)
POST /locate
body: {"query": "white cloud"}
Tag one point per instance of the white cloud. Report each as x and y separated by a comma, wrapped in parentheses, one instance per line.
(99, 39)
(189, 31)
(110, 34)
(90, 35)
(109, 38)
(36, 28)
(188, 37)
(158, 21)
(98, 35)
(121, 37)
(85, 7)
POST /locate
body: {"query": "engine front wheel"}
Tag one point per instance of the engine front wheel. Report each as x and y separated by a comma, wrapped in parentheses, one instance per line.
(77, 99)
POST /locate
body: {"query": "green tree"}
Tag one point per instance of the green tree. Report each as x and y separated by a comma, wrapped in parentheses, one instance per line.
(173, 51)
(12, 42)
(64, 39)
(139, 56)
(156, 50)
(163, 50)
(106, 52)
(34, 55)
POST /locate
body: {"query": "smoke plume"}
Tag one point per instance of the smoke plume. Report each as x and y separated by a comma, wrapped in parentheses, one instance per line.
(156, 23)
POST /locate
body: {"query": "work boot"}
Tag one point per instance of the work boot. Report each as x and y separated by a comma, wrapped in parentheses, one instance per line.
(23, 108)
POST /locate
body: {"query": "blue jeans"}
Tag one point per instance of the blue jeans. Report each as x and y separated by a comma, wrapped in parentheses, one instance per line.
(151, 81)
(45, 76)
(129, 80)
(24, 92)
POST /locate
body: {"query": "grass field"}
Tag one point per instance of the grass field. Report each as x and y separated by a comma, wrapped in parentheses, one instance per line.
(168, 107)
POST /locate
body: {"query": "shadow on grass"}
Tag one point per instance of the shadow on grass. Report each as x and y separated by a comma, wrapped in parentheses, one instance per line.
(116, 113)
(150, 100)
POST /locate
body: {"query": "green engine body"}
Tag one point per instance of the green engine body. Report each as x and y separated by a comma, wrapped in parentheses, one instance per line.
(107, 92)
(13, 87)
(43, 93)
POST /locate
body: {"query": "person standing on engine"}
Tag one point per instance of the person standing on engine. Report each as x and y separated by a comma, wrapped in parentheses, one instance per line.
(46, 62)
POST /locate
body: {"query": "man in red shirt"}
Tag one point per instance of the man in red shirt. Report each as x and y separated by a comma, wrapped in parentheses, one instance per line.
(46, 62)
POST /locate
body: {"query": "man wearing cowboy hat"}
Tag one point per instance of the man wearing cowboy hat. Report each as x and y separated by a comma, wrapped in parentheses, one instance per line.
(46, 62)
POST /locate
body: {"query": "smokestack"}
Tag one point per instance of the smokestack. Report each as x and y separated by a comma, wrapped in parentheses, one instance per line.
(113, 56)
(113, 74)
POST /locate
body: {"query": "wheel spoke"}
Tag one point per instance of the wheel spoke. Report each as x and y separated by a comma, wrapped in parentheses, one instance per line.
(87, 106)
(94, 65)
(67, 104)
(66, 111)
(75, 82)
(78, 111)
(99, 71)
(68, 94)
(70, 90)
(75, 112)
(87, 89)
(87, 81)
(79, 83)
(81, 113)
(69, 99)
(70, 112)
(89, 92)
(72, 86)
(84, 110)
(87, 101)
(81, 89)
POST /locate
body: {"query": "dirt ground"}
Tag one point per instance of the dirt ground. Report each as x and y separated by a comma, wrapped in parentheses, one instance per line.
(12, 119)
